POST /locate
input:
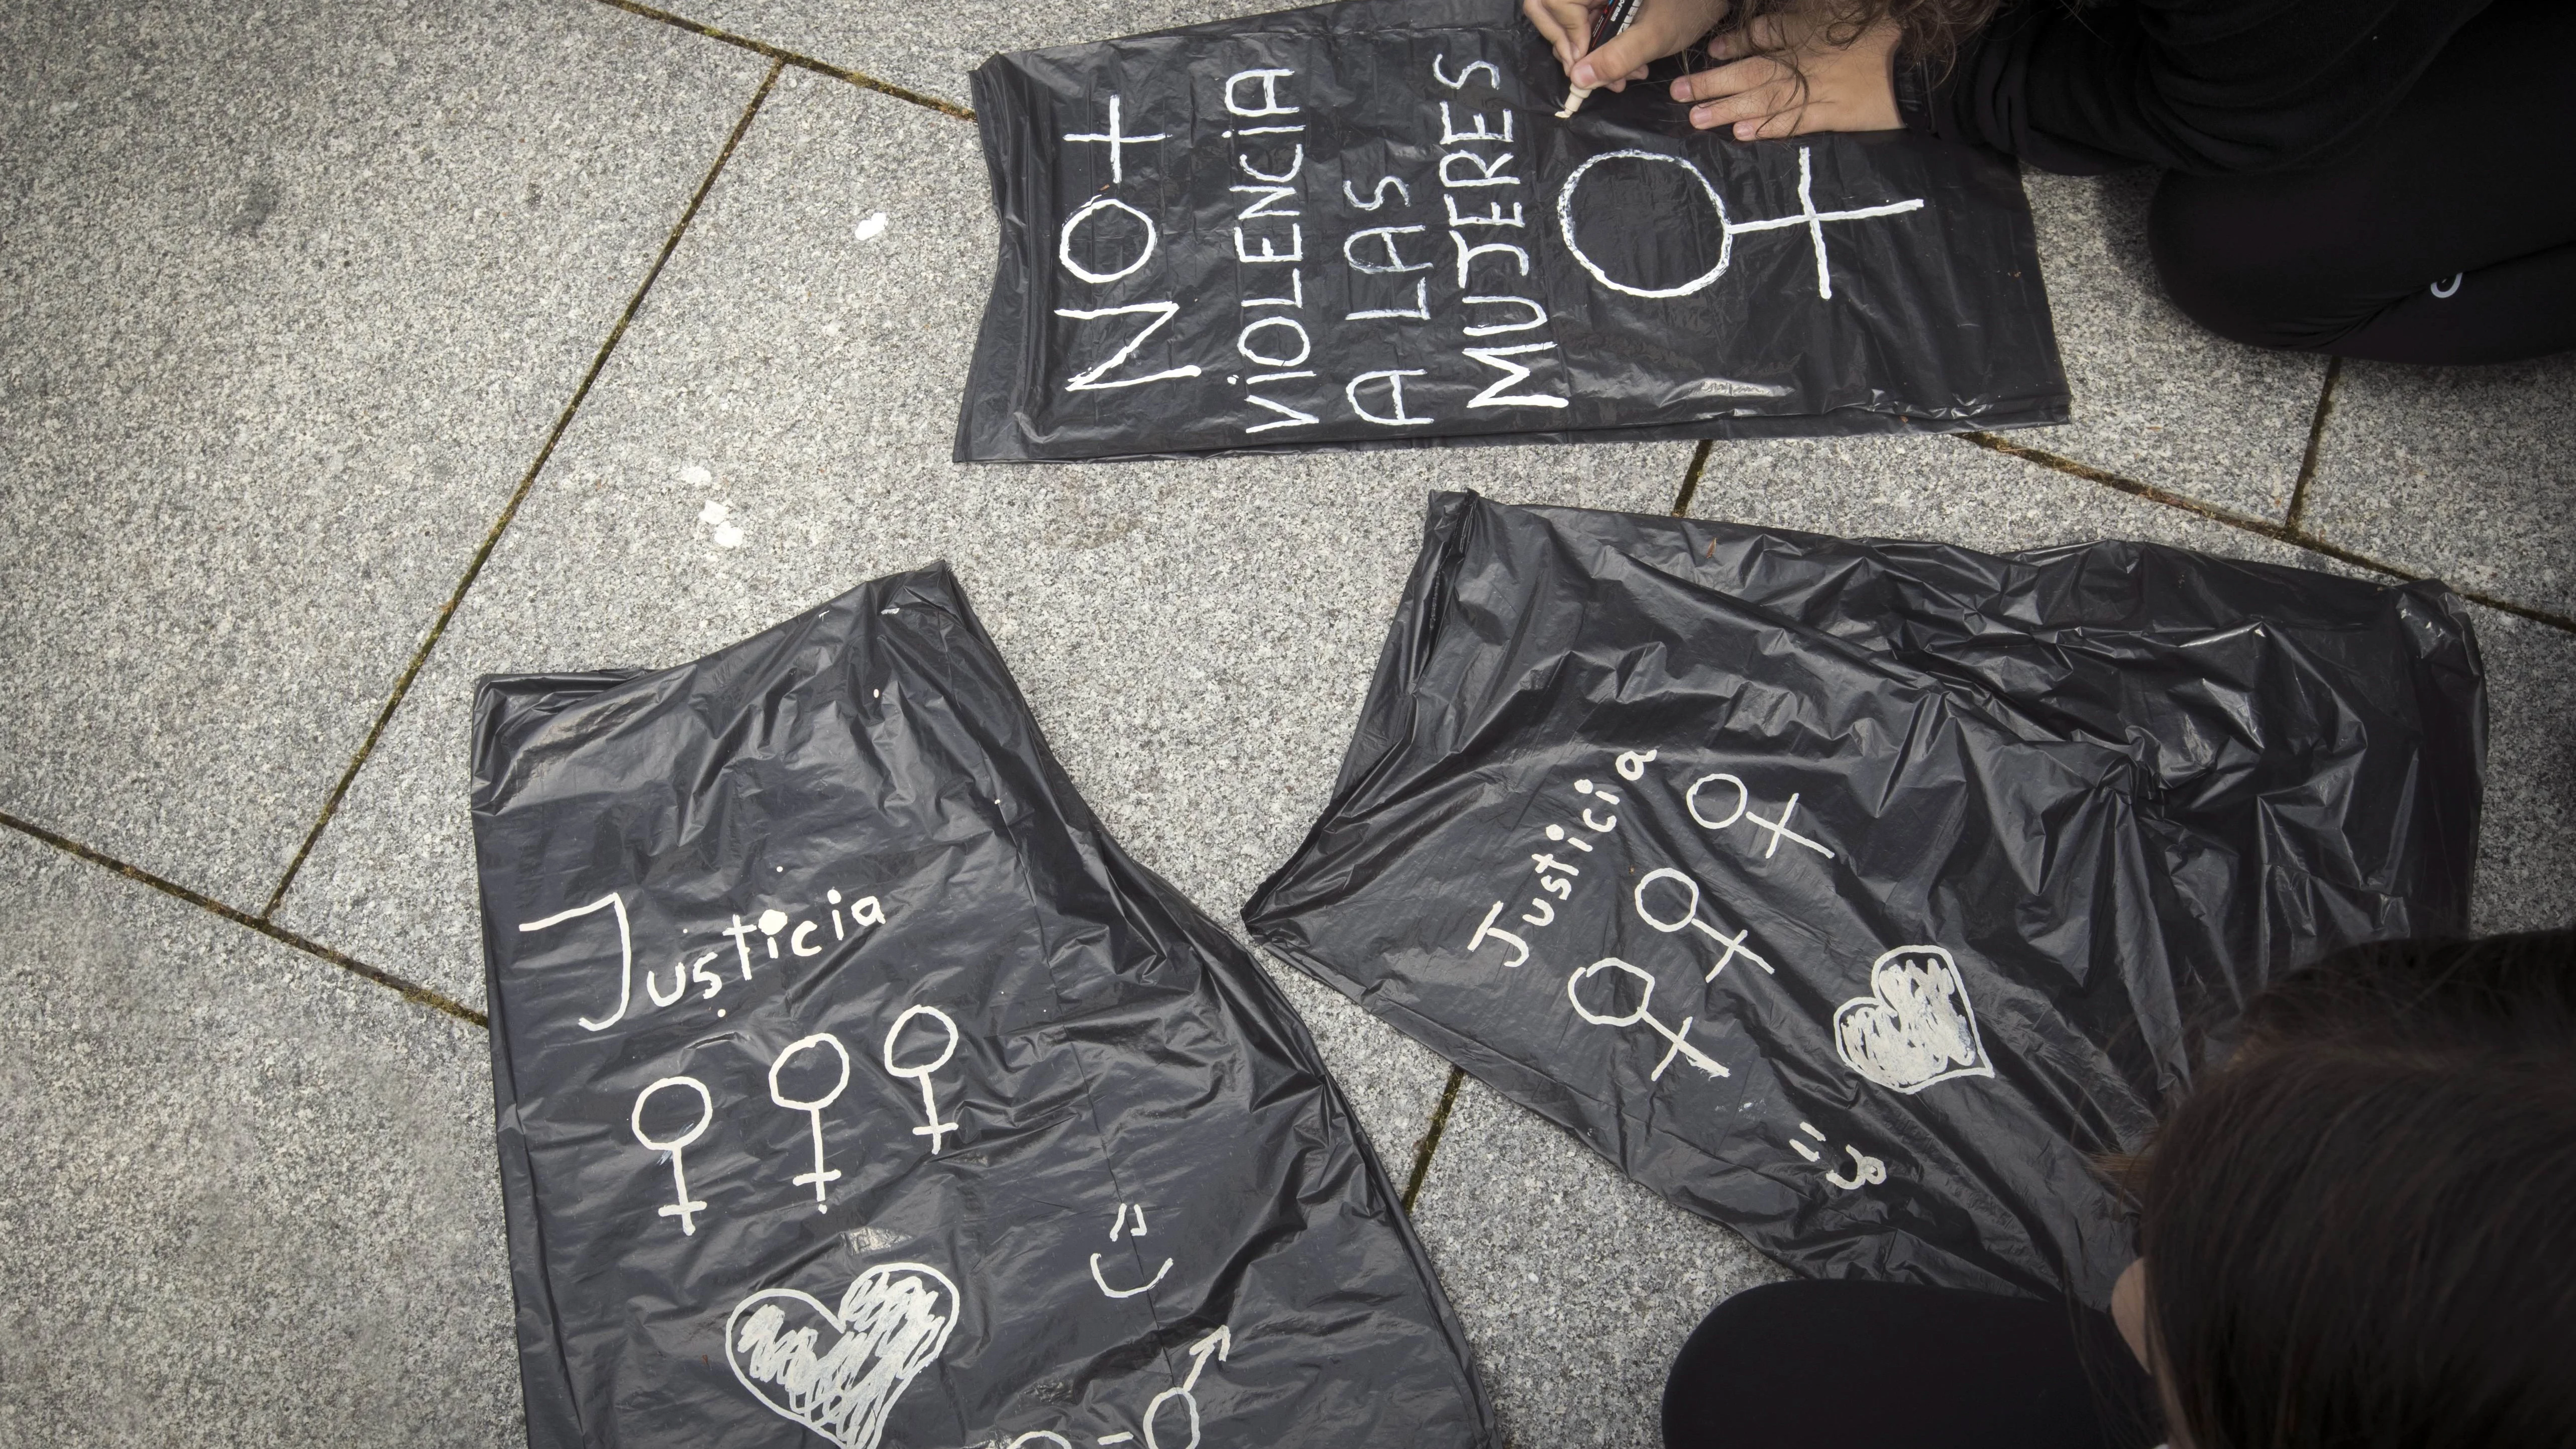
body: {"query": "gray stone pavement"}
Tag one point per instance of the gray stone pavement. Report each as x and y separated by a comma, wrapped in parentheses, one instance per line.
(294, 299)
(290, 303)
(248, 1201)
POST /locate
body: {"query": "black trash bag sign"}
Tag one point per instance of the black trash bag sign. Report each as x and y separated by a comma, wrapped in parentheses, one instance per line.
(1363, 225)
(1851, 893)
(854, 1087)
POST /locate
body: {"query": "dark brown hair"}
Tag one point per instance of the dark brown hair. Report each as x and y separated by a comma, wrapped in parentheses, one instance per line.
(1933, 30)
(2361, 1231)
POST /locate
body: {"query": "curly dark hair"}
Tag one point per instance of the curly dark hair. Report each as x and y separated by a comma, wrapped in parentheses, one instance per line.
(1932, 30)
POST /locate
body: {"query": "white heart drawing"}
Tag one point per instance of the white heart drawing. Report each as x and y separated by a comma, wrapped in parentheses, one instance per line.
(1916, 1026)
(893, 1322)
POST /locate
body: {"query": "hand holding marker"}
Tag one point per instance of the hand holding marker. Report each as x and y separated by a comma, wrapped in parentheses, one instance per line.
(1612, 43)
(1607, 23)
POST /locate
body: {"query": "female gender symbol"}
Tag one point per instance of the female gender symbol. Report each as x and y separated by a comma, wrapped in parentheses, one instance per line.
(1645, 992)
(1690, 917)
(684, 1209)
(1743, 805)
(929, 1103)
(813, 1109)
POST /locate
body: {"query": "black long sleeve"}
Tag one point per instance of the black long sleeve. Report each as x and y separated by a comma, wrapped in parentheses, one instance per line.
(2204, 86)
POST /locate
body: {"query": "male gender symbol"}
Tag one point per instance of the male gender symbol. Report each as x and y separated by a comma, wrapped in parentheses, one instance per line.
(929, 1103)
(1690, 917)
(1220, 1343)
(814, 1109)
(1645, 992)
(685, 1210)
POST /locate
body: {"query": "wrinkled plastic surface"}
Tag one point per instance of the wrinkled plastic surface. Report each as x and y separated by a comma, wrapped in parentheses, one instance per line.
(1288, 212)
(2043, 821)
(1151, 1210)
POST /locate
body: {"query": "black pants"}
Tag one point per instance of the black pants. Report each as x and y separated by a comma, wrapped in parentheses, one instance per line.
(2446, 235)
(1848, 1365)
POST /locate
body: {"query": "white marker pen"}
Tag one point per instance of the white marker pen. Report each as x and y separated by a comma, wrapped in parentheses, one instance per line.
(1607, 23)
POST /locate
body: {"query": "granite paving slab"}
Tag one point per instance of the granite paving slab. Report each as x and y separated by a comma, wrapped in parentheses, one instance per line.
(2527, 841)
(932, 52)
(289, 298)
(2156, 398)
(1195, 637)
(1576, 1285)
(2462, 472)
(250, 1197)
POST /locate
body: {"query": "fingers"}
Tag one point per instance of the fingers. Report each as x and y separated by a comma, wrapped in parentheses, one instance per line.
(1806, 85)
(1745, 96)
(1624, 54)
(1566, 26)
(1789, 122)
(1735, 79)
(1662, 27)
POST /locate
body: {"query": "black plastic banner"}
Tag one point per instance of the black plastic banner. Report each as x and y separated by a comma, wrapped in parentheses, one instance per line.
(1364, 225)
(1853, 893)
(853, 1086)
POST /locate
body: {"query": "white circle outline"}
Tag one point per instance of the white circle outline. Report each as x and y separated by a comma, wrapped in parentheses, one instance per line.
(1690, 801)
(1064, 240)
(1643, 997)
(1256, 324)
(706, 1113)
(897, 1030)
(1725, 231)
(1690, 914)
(791, 1049)
(1154, 1408)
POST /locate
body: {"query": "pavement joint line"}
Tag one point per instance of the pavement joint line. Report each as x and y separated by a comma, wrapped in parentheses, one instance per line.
(2277, 532)
(2296, 514)
(510, 510)
(785, 56)
(1690, 478)
(1430, 1140)
(409, 990)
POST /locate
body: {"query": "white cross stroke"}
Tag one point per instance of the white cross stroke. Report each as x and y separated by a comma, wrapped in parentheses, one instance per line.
(1118, 143)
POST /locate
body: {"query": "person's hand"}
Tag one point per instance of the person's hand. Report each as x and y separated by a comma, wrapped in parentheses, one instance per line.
(1845, 87)
(1661, 28)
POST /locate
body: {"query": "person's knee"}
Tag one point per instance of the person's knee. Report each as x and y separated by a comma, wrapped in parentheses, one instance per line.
(2220, 263)
(1707, 1377)
(1748, 1375)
